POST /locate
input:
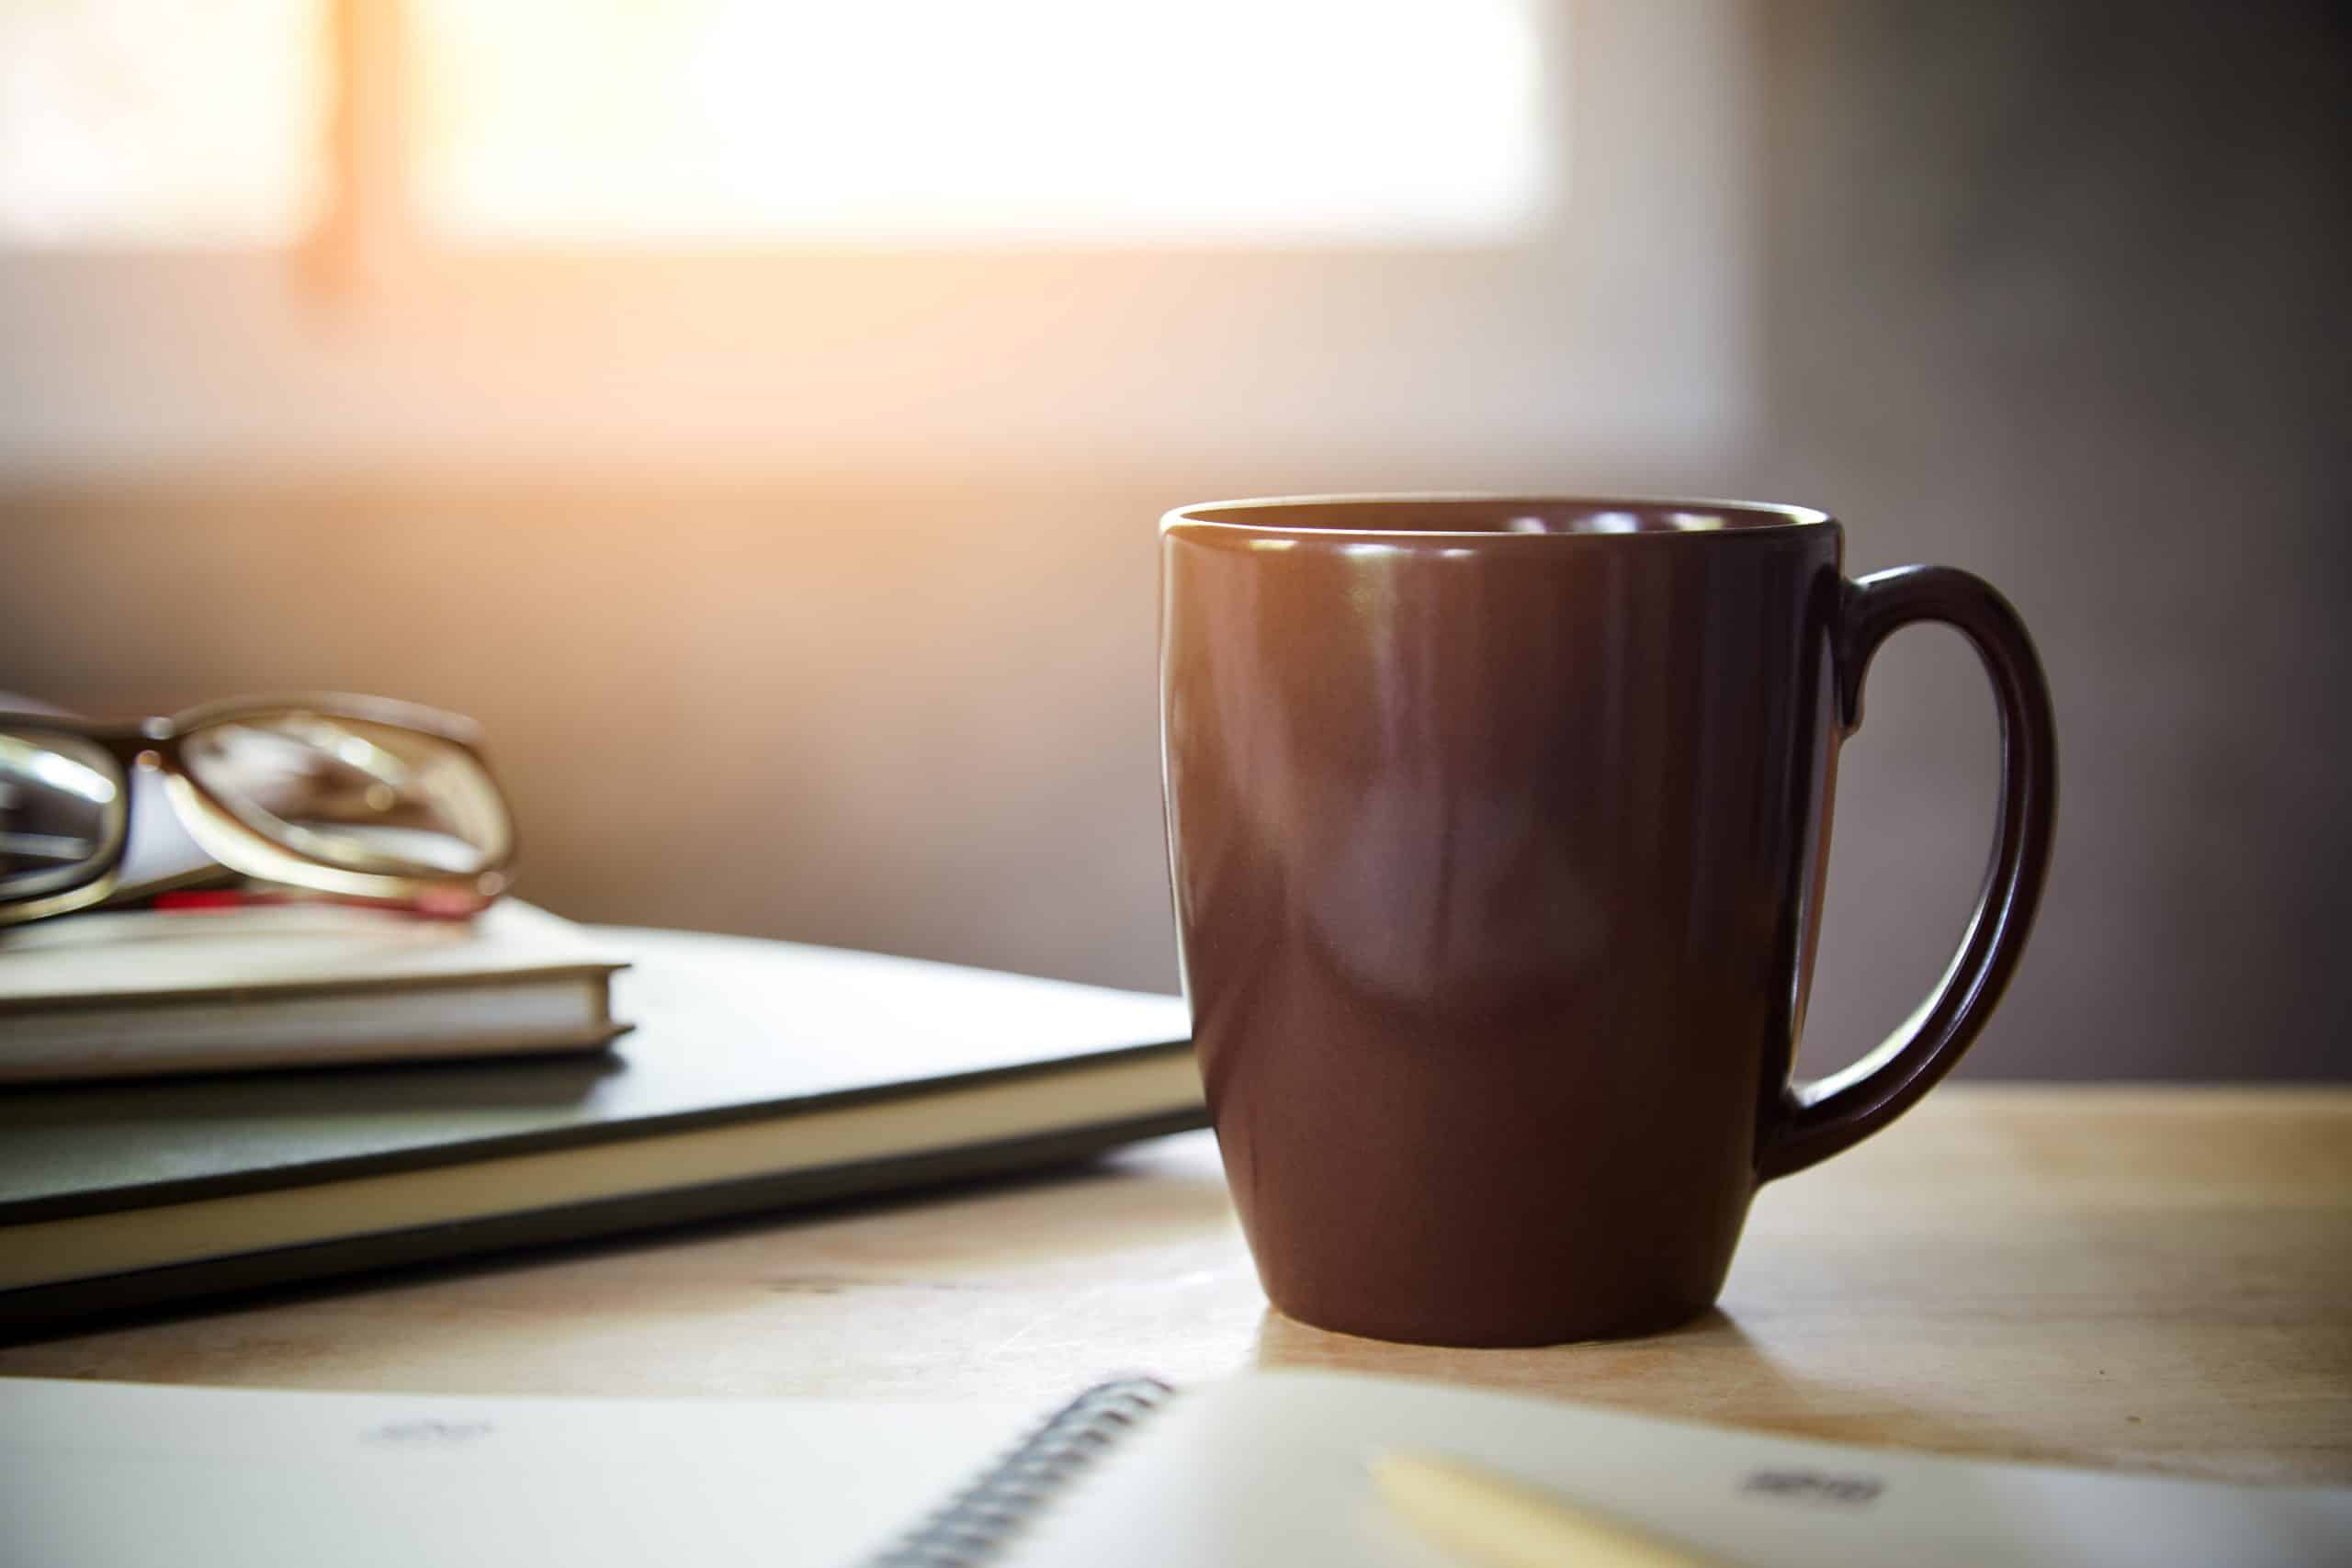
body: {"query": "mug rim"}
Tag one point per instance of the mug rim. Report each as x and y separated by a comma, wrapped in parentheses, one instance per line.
(1756, 518)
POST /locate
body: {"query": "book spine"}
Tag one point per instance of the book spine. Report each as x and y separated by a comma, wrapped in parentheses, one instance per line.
(972, 1527)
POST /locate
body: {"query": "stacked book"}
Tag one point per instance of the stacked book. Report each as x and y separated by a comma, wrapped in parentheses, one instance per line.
(133, 993)
(196, 1102)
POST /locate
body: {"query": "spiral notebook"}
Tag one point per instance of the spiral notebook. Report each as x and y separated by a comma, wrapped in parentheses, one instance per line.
(1265, 1468)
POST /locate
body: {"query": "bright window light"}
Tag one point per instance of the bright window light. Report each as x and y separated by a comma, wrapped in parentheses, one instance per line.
(130, 121)
(989, 122)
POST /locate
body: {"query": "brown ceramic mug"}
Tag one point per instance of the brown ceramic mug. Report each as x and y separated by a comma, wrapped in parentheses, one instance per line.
(1497, 829)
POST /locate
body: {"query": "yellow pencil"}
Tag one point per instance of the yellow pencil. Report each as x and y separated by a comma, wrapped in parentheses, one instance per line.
(1495, 1519)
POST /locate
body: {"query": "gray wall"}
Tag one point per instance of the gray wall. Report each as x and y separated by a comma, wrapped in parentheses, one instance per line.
(2048, 292)
(2057, 292)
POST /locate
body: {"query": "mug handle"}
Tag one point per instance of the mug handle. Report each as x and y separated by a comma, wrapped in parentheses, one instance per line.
(1817, 1120)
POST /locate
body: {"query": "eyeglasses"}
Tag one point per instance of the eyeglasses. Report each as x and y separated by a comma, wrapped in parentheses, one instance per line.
(359, 797)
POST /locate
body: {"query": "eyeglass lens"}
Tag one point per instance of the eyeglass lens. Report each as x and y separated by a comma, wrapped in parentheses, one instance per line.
(62, 803)
(348, 793)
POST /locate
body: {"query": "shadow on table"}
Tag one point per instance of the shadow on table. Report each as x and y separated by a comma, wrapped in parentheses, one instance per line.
(1708, 1369)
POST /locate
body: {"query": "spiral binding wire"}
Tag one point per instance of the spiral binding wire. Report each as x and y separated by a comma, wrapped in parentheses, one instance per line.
(971, 1526)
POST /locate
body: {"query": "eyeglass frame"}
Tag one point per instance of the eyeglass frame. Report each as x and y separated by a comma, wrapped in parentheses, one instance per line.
(154, 745)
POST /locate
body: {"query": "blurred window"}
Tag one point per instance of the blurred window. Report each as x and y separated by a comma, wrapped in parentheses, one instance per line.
(134, 122)
(947, 121)
(621, 124)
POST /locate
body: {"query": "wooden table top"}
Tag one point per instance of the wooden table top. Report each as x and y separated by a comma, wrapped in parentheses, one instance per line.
(2152, 1279)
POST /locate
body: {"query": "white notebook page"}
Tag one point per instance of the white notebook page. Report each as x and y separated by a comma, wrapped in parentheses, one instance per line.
(110, 1475)
(1266, 1469)
(1271, 1468)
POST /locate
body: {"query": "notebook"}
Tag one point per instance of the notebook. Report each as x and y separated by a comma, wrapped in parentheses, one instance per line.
(760, 1074)
(143, 991)
(1266, 1468)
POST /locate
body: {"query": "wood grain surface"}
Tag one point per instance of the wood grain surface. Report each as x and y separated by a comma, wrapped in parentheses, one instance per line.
(2155, 1279)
